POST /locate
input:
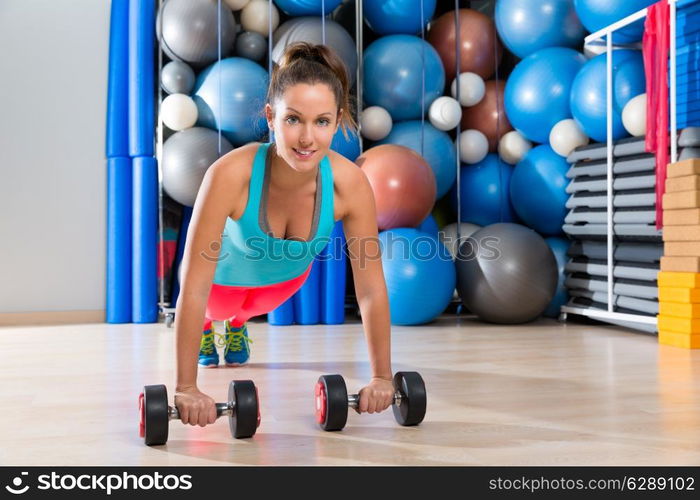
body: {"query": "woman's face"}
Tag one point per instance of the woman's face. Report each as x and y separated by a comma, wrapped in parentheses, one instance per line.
(304, 121)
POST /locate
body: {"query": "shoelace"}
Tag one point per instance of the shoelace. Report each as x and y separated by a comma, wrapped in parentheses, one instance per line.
(235, 339)
(207, 344)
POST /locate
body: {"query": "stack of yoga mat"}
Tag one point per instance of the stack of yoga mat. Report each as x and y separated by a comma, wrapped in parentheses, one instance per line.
(679, 279)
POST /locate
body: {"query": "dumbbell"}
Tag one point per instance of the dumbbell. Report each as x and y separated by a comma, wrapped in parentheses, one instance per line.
(242, 410)
(333, 401)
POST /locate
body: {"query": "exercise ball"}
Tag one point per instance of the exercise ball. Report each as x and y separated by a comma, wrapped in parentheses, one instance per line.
(588, 92)
(178, 112)
(310, 29)
(348, 146)
(419, 273)
(567, 136)
(375, 123)
(484, 193)
(513, 146)
(429, 226)
(597, 14)
(452, 240)
(186, 157)
(509, 276)
(537, 92)
(236, 4)
(177, 77)
(402, 182)
(187, 30)
(489, 115)
(480, 50)
(394, 67)
(251, 45)
(397, 16)
(634, 116)
(255, 17)
(473, 146)
(538, 190)
(526, 26)
(434, 145)
(559, 247)
(471, 88)
(307, 7)
(445, 113)
(242, 86)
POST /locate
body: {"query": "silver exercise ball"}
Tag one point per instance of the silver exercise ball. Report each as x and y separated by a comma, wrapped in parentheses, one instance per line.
(177, 77)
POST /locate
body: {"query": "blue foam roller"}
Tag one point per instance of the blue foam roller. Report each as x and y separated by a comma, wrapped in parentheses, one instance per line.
(181, 240)
(118, 240)
(144, 284)
(117, 138)
(333, 263)
(307, 299)
(283, 315)
(142, 93)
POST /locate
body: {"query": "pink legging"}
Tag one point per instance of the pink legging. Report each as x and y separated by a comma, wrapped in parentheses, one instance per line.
(240, 303)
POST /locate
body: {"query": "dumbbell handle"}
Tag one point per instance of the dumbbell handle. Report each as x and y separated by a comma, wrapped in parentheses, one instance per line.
(221, 410)
(354, 400)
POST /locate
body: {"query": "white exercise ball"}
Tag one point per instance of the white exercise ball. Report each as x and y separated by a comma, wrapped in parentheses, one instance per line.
(473, 146)
(448, 235)
(375, 123)
(471, 89)
(255, 17)
(566, 136)
(513, 147)
(236, 4)
(445, 113)
(178, 112)
(634, 116)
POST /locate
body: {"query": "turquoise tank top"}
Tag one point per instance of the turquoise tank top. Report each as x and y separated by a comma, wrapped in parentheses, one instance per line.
(250, 255)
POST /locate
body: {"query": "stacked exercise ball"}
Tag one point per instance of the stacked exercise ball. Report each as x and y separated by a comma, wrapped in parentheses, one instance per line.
(398, 16)
(597, 14)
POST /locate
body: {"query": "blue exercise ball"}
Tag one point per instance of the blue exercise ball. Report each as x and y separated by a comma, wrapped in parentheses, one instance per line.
(397, 16)
(437, 149)
(242, 85)
(307, 7)
(538, 190)
(526, 26)
(597, 14)
(393, 68)
(348, 146)
(559, 246)
(588, 93)
(420, 275)
(429, 226)
(484, 193)
(537, 91)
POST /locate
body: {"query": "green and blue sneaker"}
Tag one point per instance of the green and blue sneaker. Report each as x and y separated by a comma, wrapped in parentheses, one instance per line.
(208, 357)
(237, 350)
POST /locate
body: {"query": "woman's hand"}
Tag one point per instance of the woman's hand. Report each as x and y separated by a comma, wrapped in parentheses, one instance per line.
(195, 407)
(377, 396)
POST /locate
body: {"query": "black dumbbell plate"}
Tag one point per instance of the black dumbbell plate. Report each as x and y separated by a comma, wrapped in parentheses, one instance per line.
(411, 411)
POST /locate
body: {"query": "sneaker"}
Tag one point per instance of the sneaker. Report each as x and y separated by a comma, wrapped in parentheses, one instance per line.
(208, 357)
(237, 350)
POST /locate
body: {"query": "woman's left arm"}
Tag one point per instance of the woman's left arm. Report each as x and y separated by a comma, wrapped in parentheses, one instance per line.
(360, 226)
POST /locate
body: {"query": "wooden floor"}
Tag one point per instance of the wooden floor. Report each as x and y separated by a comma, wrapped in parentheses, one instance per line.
(545, 393)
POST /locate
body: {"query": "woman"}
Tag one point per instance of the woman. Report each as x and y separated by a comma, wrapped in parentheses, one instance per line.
(262, 214)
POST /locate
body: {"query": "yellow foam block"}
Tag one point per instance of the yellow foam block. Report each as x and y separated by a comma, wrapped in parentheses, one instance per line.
(679, 310)
(682, 295)
(679, 339)
(680, 325)
(680, 280)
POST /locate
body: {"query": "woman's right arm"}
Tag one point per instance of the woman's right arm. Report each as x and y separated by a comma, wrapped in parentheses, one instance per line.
(221, 186)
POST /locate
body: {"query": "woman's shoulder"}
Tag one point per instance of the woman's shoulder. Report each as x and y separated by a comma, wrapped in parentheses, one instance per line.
(232, 173)
(238, 162)
(348, 179)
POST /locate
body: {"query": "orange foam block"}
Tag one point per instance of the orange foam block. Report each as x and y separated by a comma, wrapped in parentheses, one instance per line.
(688, 326)
(679, 340)
(679, 310)
(682, 295)
(679, 280)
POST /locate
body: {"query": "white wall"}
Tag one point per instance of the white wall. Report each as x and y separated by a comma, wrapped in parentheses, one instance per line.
(53, 93)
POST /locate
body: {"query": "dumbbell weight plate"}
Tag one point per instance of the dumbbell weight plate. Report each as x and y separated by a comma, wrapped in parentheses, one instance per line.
(411, 411)
(154, 414)
(246, 417)
(331, 402)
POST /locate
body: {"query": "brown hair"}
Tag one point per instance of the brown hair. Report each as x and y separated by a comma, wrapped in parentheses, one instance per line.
(303, 62)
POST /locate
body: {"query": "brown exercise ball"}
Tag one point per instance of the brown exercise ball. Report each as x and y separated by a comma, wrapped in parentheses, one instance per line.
(489, 115)
(403, 184)
(477, 36)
